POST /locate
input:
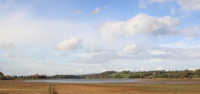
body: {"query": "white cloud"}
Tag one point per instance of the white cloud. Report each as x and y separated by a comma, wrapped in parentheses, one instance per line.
(173, 11)
(125, 69)
(195, 54)
(159, 68)
(158, 1)
(157, 52)
(143, 3)
(101, 57)
(21, 28)
(130, 49)
(64, 54)
(7, 45)
(93, 49)
(141, 69)
(192, 32)
(104, 70)
(97, 10)
(140, 24)
(155, 60)
(13, 55)
(83, 55)
(71, 44)
(182, 50)
(9, 55)
(189, 4)
(80, 71)
(183, 44)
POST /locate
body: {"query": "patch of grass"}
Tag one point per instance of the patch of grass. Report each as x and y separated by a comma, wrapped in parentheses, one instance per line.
(125, 75)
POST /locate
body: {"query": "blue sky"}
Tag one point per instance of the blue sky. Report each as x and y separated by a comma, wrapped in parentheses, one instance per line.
(91, 36)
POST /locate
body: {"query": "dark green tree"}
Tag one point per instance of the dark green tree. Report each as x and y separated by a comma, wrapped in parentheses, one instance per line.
(1, 76)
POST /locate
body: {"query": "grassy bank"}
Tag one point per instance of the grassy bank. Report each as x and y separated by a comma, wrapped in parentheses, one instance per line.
(19, 87)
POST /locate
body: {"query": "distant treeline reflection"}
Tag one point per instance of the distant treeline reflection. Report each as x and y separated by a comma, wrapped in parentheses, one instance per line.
(181, 74)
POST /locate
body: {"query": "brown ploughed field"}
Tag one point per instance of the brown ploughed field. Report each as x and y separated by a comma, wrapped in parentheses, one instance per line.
(20, 87)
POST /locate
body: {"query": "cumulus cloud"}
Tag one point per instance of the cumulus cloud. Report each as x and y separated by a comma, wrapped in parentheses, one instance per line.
(175, 51)
(130, 49)
(189, 4)
(140, 24)
(71, 44)
(6, 45)
(131, 52)
(154, 54)
(182, 50)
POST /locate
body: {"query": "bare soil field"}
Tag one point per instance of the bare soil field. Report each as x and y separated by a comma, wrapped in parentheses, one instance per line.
(20, 87)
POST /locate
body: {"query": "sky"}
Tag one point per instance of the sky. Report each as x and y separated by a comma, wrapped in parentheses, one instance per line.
(92, 36)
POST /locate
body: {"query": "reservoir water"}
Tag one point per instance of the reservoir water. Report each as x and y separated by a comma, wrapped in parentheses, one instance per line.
(87, 81)
(112, 81)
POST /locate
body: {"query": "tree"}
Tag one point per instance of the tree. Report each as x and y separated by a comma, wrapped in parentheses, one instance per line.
(1, 76)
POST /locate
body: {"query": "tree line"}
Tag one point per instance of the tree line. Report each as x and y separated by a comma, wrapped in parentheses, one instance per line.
(178, 74)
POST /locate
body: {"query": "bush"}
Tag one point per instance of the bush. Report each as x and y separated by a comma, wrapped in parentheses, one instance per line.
(119, 76)
(52, 90)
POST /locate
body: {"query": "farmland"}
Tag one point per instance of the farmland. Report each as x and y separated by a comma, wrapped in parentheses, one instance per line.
(21, 87)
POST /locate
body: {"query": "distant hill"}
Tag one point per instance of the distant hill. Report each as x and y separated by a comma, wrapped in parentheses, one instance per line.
(148, 74)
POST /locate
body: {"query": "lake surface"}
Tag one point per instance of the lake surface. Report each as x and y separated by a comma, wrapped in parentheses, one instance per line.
(87, 81)
(112, 81)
